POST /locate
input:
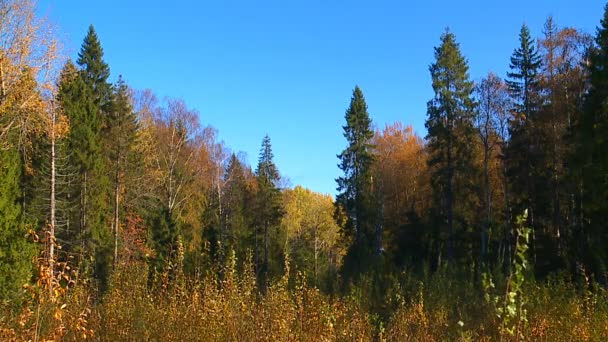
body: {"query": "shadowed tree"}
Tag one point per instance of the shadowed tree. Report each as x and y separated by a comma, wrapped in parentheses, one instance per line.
(268, 239)
(450, 116)
(523, 153)
(355, 198)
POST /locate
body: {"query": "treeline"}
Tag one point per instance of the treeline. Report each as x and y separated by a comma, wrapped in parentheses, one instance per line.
(95, 175)
(530, 145)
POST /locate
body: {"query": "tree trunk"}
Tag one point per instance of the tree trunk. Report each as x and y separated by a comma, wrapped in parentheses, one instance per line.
(508, 218)
(83, 216)
(484, 227)
(450, 202)
(316, 255)
(51, 237)
(116, 218)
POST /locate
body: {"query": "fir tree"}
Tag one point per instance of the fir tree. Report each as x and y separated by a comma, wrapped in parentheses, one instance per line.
(269, 211)
(122, 132)
(355, 198)
(164, 233)
(85, 98)
(593, 158)
(450, 116)
(238, 196)
(523, 152)
(94, 70)
(523, 81)
(16, 253)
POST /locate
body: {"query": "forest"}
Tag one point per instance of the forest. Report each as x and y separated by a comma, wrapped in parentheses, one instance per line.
(123, 217)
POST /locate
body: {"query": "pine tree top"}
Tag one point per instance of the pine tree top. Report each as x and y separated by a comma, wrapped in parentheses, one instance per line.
(523, 80)
(266, 169)
(90, 59)
(358, 123)
(602, 31)
(356, 159)
(599, 55)
(525, 60)
(450, 72)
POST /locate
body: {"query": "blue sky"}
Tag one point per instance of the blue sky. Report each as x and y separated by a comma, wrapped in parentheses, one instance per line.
(287, 68)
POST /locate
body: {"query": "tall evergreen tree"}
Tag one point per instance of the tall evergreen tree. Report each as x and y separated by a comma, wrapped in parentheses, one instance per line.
(238, 196)
(85, 99)
(122, 133)
(523, 154)
(355, 198)
(268, 237)
(450, 133)
(16, 253)
(94, 70)
(593, 158)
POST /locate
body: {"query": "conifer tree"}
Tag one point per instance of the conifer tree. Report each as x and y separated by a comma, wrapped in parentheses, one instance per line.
(269, 211)
(94, 70)
(355, 199)
(523, 154)
(164, 233)
(85, 99)
(450, 116)
(16, 253)
(238, 196)
(593, 158)
(122, 133)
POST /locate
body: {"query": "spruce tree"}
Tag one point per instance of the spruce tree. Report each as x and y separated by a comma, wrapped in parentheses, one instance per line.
(523, 154)
(593, 158)
(238, 196)
(94, 70)
(85, 98)
(269, 211)
(355, 201)
(164, 234)
(122, 132)
(16, 253)
(451, 134)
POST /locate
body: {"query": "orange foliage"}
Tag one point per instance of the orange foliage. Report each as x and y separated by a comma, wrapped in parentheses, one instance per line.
(134, 240)
(400, 171)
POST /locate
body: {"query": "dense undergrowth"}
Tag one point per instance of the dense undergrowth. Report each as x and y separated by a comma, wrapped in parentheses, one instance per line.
(436, 307)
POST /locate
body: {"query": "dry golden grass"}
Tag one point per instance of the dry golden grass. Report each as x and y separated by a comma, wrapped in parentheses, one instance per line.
(231, 309)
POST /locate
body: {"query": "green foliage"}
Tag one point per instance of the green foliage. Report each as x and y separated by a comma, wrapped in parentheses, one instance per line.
(16, 253)
(94, 70)
(84, 96)
(163, 237)
(450, 127)
(592, 158)
(523, 80)
(269, 238)
(524, 154)
(355, 202)
(207, 245)
(122, 127)
(510, 307)
(239, 196)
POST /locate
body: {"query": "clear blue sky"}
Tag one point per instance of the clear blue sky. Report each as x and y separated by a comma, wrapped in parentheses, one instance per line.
(287, 68)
